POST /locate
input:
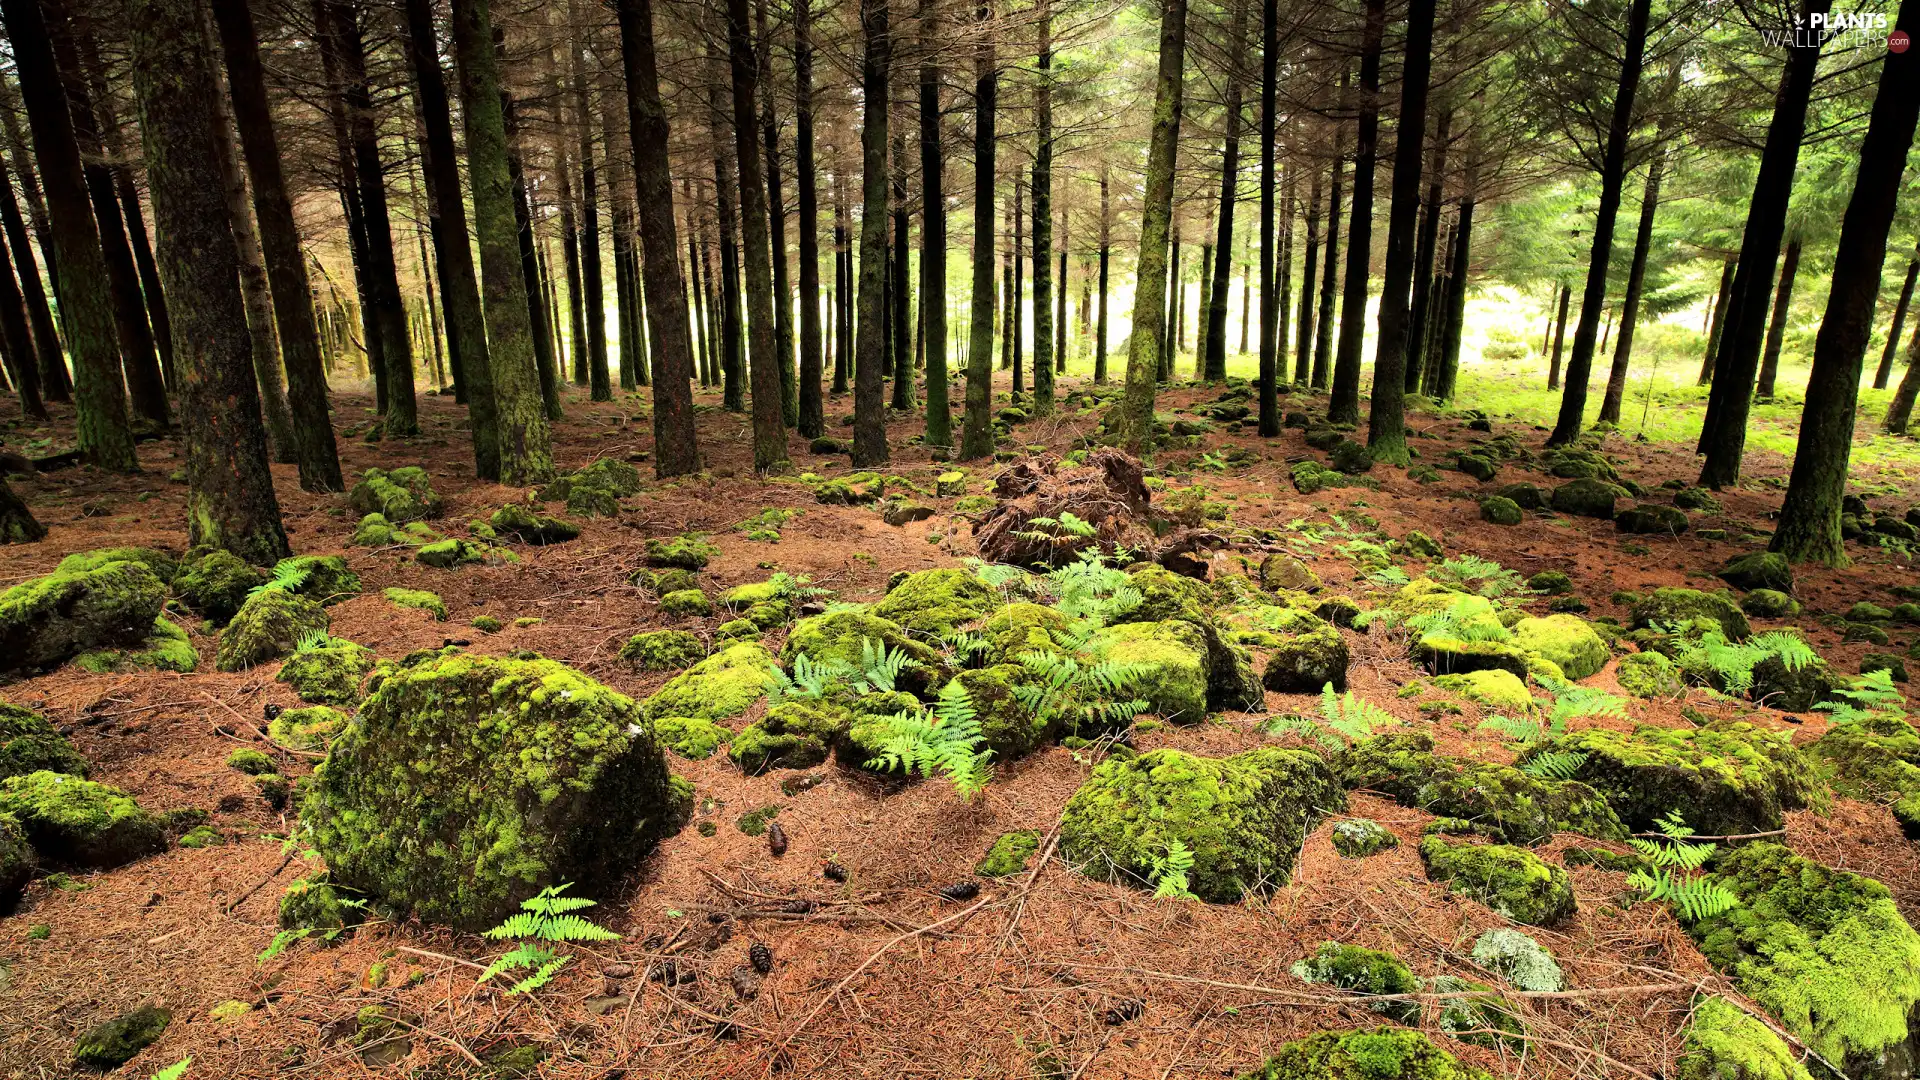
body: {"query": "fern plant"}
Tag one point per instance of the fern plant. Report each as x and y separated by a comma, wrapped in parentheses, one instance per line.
(1483, 576)
(1391, 577)
(809, 681)
(1093, 590)
(287, 577)
(542, 922)
(945, 740)
(309, 640)
(287, 938)
(797, 589)
(1675, 877)
(1343, 719)
(1169, 872)
(1870, 697)
(1705, 652)
(1462, 620)
(1096, 696)
(1555, 765)
(879, 667)
(174, 1071)
(1570, 700)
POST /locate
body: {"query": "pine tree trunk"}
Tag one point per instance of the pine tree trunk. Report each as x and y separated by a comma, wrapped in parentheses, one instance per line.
(86, 297)
(620, 213)
(1201, 320)
(1717, 323)
(812, 418)
(1885, 370)
(1106, 258)
(51, 361)
(592, 274)
(1214, 368)
(21, 154)
(776, 223)
(1900, 409)
(1636, 281)
(1559, 338)
(1421, 313)
(526, 456)
(22, 365)
(726, 199)
(529, 267)
(230, 498)
(1176, 301)
(977, 432)
(1135, 417)
(933, 233)
(570, 250)
(1447, 371)
(1344, 405)
(1304, 332)
(1723, 436)
(1323, 334)
(1043, 283)
(1060, 304)
(1613, 171)
(1272, 360)
(870, 355)
(1283, 272)
(899, 280)
(1809, 525)
(17, 523)
(1016, 310)
(1387, 410)
(1777, 328)
(769, 433)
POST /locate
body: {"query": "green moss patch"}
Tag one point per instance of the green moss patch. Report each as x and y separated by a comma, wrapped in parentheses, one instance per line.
(1380, 1054)
(400, 495)
(77, 822)
(30, 743)
(521, 522)
(1494, 688)
(690, 736)
(108, 1046)
(1513, 881)
(792, 735)
(1724, 1043)
(419, 600)
(689, 552)
(1685, 605)
(1363, 971)
(1498, 800)
(663, 650)
(1566, 640)
(1172, 662)
(216, 584)
(1649, 675)
(330, 674)
(166, 649)
(308, 729)
(723, 685)
(49, 619)
(936, 602)
(268, 626)
(1009, 854)
(1357, 838)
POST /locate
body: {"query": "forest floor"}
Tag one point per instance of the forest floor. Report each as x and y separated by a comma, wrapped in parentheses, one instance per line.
(883, 977)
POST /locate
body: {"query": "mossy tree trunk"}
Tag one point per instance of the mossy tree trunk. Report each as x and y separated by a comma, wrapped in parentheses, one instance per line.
(1135, 420)
(1343, 407)
(1900, 409)
(17, 523)
(1387, 411)
(870, 351)
(1214, 367)
(230, 499)
(933, 232)
(599, 382)
(769, 432)
(726, 200)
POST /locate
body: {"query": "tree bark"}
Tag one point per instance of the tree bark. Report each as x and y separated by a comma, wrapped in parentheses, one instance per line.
(1344, 405)
(776, 226)
(529, 265)
(1419, 316)
(1900, 409)
(24, 368)
(1043, 282)
(1559, 338)
(769, 433)
(1386, 412)
(870, 359)
(933, 232)
(526, 455)
(1323, 334)
(230, 498)
(633, 353)
(899, 280)
(1106, 258)
(812, 418)
(55, 385)
(1777, 328)
(1016, 334)
(1272, 356)
(1214, 367)
(1885, 370)
(17, 523)
(1718, 318)
(570, 251)
(1135, 419)
(86, 297)
(977, 433)
(1636, 282)
(1447, 372)
(1809, 525)
(592, 280)
(1304, 333)
(726, 200)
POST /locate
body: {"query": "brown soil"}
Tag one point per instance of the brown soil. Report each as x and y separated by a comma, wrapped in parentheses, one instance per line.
(1015, 983)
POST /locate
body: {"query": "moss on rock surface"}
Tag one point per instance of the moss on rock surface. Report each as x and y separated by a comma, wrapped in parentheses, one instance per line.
(936, 602)
(1519, 959)
(792, 735)
(46, 620)
(268, 626)
(1499, 800)
(688, 552)
(690, 736)
(312, 903)
(1586, 497)
(1494, 687)
(723, 685)
(1513, 881)
(1363, 971)
(1286, 572)
(1758, 570)
(1728, 778)
(1021, 628)
(16, 861)
(108, 1046)
(468, 784)
(1825, 951)
(1769, 604)
(521, 522)
(330, 674)
(1356, 838)
(311, 728)
(216, 584)
(1500, 510)
(163, 563)
(419, 600)
(841, 635)
(1724, 1043)
(80, 823)
(1009, 854)
(324, 578)
(1310, 654)
(167, 648)
(684, 603)
(1876, 758)
(1685, 605)
(1171, 658)
(1242, 817)
(663, 650)
(1566, 640)
(1649, 675)
(1232, 681)
(30, 743)
(1380, 1054)
(400, 495)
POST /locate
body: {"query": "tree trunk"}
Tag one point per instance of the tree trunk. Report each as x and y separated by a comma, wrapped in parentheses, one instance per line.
(529, 267)
(777, 228)
(1387, 412)
(1283, 303)
(86, 298)
(1421, 314)
(726, 204)
(1613, 171)
(899, 280)
(1043, 283)
(1016, 310)
(17, 523)
(812, 417)
(1344, 406)
(1176, 297)
(1106, 258)
(1448, 370)
(24, 368)
(1135, 419)
(1809, 525)
(1717, 320)
(843, 271)
(870, 360)
(22, 156)
(1559, 338)
(769, 434)
(1900, 409)
(1636, 281)
(633, 360)
(1723, 437)
(1323, 335)
(54, 382)
(1200, 319)
(570, 250)
(1777, 329)
(977, 433)
(1885, 370)
(675, 449)
(1215, 365)
(526, 456)
(599, 380)
(1060, 303)
(933, 233)
(1304, 334)
(1271, 357)
(230, 499)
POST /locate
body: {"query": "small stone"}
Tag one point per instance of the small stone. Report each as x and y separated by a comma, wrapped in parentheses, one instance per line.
(1356, 838)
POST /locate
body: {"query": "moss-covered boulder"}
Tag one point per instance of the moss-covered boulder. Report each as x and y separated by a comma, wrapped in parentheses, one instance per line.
(843, 636)
(1243, 817)
(77, 822)
(518, 521)
(46, 620)
(663, 650)
(105, 1047)
(1171, 663)
(329, 674)
(167, 648)
(1386, 1053)
(216, 584)
(374, 530)
(1651, 519)
(164, 564)
(723, 685)
(1728, 778)
(1022, 628)
(1513, 881)
(1682, 606)
(1287, 573)
(1649, 675)
(311, 728)
(1500, 510)
(754, 593)
(935, 602)
(30, 743)
(418, 600)
(1724, 1043)
(1586, 497)
(1499, 800)
(689, 552)
(792, 735)
(16, 861)
(1232, 681)
(467, 784)
(399, 495)
(1493, 688)
(686, 603)
(268, 626)
(1010, 728)
(1363, 971)
(1877, 758)
(690, 736)
(1566, 640)
(1825, 951)
(1310, 654)
(322, 578)
(1769, 604)
(1758, 570)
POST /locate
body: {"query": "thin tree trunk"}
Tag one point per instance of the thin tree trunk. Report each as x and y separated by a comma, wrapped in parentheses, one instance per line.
(620, 214)
(1304, 333)
(1043, 283)
(1060, 303)
(19, 341)
(1106, 258)
(776, 222)
(1900, 409)
(1387, 410)
(1809, 525)
(1135, 419)
(22, 158)
(599, 381)
(1885, 370)
(529, 267)
(576, 291)
(1717, 320)
(870, 360)
(1559, 338)
(55, 385)
(1344, 405)
(977, 433)
(1777, 329)
(1016, 310)
(1421, 314)
(1201, 320)
(899, 280)
(86, 297)
(1176, 301)
(769, 433)
(933, 233)
(726, 204)
(230, 499)
(1636, 282)
(812, 418)
(1447, 373)
(1323, 340)
(1215, 367)
(1272, 360)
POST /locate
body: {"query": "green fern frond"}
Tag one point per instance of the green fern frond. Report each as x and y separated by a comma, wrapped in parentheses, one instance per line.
(541, 977)
(310, 640)
(174, 1071)
(1519, 728)
(281, 941)
(1555, 765)
(944, 741)
(1170, 881)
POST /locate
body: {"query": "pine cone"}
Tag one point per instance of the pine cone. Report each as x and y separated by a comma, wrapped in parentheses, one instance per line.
(1125, 1011)
(746, 985)
(833, 871)
(776, 840)
(761, 957)
(959, 891)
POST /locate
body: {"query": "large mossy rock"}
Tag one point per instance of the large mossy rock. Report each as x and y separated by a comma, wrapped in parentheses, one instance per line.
(1513, 881)
(1310, 654)
(1243, 817)
(400, 495)
(1877, 759)
(330, 674)
(723, 685)
(16, 861)
(1022, 628)
(1172, 662)
(30, 743)
(216, 584)
(843, 636)
(1587, 497)
(167, 648)
(1682, 606)
(792, 735)
(1499, 800)
(1825, 951)
(936, 602)
(1011, 729)
(663, 650)
(164, 564)
(1387, 1053)
(1566, 640)
(1724, 1043)
(325, 579)
(46, 620)
(1363, 971)
(1727, 779)
(1232, 682)
(1652, 519)
(268, 626)
(468, 784)
(521, 522)
(75, 822)
(105, 1047)
(1758, 570)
